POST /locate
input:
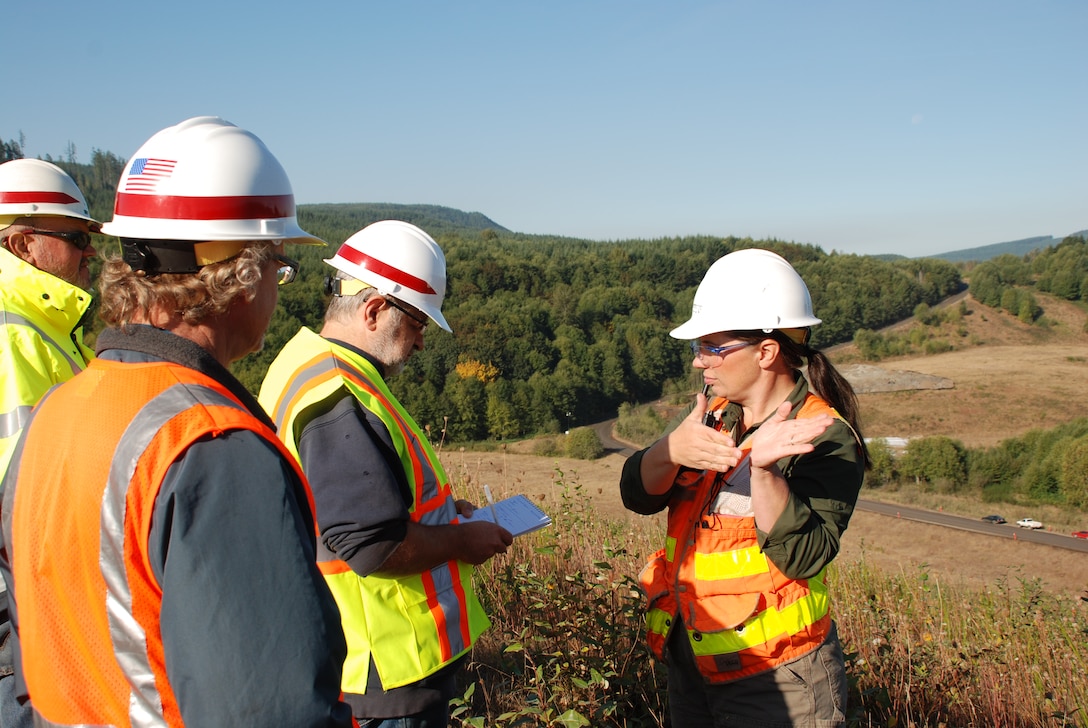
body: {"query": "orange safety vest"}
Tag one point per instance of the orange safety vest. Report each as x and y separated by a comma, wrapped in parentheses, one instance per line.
(742, 614)
(92, 651)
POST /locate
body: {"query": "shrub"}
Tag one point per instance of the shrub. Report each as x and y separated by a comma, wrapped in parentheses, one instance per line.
(883, 469)
(584, 444)
(567, 648)
(640, 425)
(935, 459)
(546, 447)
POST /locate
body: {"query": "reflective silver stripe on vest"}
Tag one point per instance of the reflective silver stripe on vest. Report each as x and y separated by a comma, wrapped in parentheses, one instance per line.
(16, 319)
(129, 639)
(12, 422)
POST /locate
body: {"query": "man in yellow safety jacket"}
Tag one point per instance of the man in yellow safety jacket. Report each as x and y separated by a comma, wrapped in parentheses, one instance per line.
(45, 245)
(391, 548)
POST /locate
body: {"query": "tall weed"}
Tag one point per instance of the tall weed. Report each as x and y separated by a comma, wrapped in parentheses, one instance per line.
(566, 647)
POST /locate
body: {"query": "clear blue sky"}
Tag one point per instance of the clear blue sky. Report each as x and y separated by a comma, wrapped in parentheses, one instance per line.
(861, 126)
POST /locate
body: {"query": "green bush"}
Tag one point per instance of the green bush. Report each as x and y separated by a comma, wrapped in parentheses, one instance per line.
(546, 447)
(883, 469)
(584, 444)
(935, 459)
(640, 425)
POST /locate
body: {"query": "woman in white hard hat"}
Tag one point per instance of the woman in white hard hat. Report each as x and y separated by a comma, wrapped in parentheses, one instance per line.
(760, 480)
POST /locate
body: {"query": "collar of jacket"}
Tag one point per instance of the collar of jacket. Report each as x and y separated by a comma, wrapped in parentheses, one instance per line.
(164, 345)
(63, 303)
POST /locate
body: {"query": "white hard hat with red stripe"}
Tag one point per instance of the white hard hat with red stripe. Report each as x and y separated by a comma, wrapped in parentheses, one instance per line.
(399, 260)
(203, 180)
(34, 188)
(747, 290)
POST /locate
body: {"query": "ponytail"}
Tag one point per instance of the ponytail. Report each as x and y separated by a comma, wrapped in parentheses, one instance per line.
(824, 379)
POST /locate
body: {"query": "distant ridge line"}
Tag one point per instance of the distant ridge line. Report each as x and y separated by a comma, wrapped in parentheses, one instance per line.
(438, 218)
(1019, 248)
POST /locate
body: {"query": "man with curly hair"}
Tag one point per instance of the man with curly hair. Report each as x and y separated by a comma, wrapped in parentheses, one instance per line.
(160, 540)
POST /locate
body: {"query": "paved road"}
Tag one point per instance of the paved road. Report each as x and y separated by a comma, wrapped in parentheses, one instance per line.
(1006, 530)
(937, 518)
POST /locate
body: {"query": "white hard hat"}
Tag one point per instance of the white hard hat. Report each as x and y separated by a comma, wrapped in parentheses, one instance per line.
(205, 179)
(31, 187)
(747, 290)
(400, 260)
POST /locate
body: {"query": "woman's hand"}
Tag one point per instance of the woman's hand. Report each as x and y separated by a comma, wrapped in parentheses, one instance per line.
(694, 445)
(779, 437)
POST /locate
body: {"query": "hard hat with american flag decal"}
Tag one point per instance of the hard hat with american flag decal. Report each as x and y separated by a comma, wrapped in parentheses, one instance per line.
(205, 180)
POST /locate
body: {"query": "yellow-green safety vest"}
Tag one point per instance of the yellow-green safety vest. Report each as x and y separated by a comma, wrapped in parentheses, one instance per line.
(411, 625)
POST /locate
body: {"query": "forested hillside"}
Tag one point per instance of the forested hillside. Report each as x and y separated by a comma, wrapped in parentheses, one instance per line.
(1007, 280)
(549, 332)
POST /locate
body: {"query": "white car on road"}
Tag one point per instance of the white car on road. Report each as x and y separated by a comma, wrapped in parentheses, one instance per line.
(1028, 523)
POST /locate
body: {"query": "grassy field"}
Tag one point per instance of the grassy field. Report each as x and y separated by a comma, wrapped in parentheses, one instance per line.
(943, 627)
(923, 649)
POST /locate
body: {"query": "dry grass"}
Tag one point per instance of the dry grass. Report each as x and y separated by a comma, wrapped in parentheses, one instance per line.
(1009, 378)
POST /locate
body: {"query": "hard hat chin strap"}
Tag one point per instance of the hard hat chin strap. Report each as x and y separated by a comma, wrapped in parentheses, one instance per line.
(343, 287)
(176, 256)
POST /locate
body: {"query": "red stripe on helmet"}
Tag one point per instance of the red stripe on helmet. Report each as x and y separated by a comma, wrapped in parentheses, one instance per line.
(385, 270)
(61, 198)
(176, 207)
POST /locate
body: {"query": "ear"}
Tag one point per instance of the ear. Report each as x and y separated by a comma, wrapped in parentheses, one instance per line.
(19, 245)
(370, 310)
(768, 351)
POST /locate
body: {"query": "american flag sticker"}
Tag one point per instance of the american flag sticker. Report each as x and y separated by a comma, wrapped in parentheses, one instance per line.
(145, 173)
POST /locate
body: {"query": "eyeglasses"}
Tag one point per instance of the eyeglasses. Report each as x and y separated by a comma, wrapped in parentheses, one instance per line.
(705, 351)
(81, 239)
(288, 270)
(420, 321)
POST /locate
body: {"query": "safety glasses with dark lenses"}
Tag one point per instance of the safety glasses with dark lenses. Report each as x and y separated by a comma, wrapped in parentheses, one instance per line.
(81, 239)
(418, 317)
(288, 270)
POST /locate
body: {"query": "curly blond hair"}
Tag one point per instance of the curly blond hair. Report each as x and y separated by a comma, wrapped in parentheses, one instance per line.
(128, 296)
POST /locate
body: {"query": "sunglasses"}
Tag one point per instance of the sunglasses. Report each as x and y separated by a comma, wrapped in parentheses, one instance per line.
(706, 351)
(288, 270)
(421, 322)
(81, 239)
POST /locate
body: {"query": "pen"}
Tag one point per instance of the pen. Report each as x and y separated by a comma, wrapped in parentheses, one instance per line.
(491, 505)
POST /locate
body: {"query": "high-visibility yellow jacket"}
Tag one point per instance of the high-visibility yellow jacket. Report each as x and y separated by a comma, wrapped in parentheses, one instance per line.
(41, 341)
(742, 615)
(411, 625)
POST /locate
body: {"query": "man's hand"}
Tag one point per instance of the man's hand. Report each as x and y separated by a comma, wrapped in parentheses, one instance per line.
(481, 540)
